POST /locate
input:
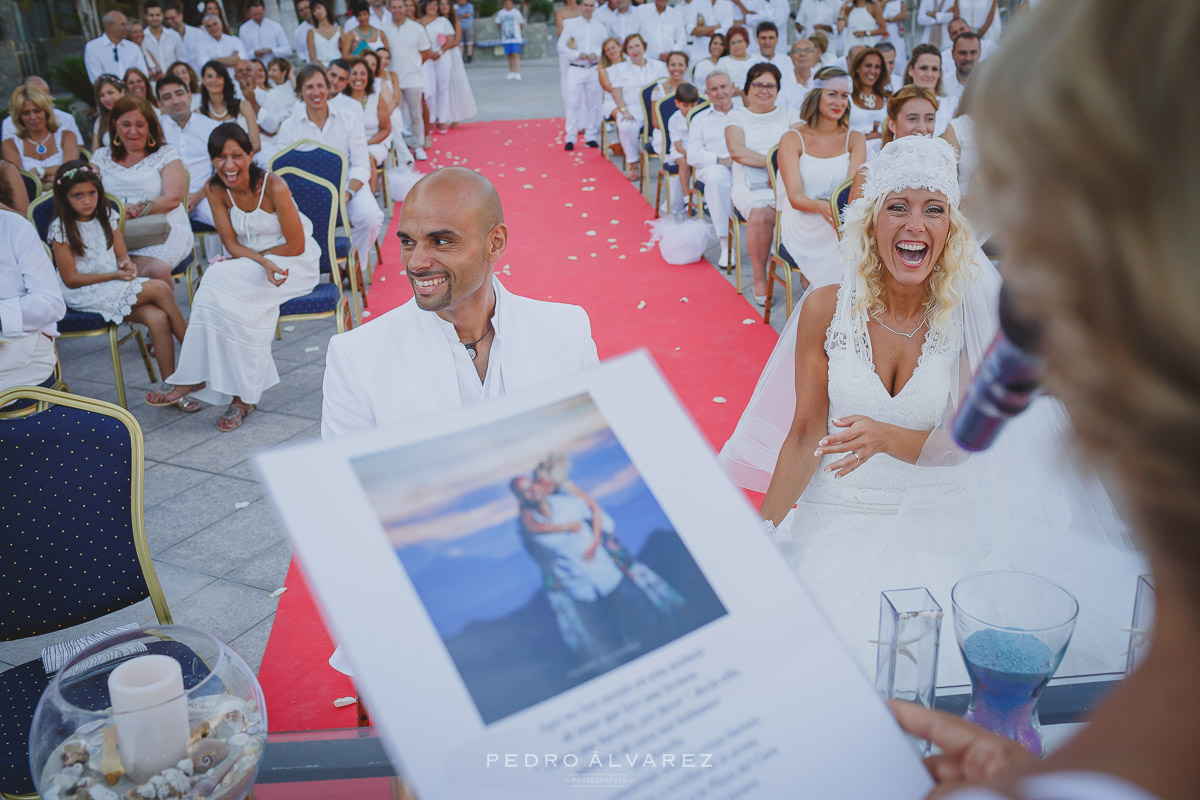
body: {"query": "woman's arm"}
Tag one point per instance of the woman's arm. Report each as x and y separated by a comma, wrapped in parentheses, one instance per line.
(984, 27)
(74, 279)
(96, 137)
(877, 12)
(619, 97)
(218, 200)
(903, 15)
(735, 139)
(856, 188)
(289, 218)
(950, 136)
(797, 462)
(789, 172)
(174, 191)
(70, 147)
(602, 73)
(251, 118)
(10, 152)
(455, 37)
(858, 153)
(312, 46)
(347, 45)
(385, 122)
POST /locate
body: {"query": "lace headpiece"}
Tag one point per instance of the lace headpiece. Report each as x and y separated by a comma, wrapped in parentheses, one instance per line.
(914, 162)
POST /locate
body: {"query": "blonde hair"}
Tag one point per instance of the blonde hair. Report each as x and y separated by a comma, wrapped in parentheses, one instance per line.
(954, 266)
(26, 94)
(1098, 213)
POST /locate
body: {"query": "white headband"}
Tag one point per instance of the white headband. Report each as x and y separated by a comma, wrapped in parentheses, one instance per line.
(914, 162)
(820, 83)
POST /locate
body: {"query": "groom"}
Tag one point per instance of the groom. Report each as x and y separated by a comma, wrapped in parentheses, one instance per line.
(463, 339)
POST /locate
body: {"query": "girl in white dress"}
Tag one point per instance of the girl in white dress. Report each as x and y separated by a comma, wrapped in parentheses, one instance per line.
(109, 89)
(274, 259)
(895, 12)
(435, 72)
(868, 100)
(716, 51)
(815, 156)
(376, 115)
(150, 179)
(635, 74)
(983, 16)
(219, 102)
(325, 38)
(40, 144)
(861, 22)
(925, 69)
(612, 57)
(462, 99)
(96, 272)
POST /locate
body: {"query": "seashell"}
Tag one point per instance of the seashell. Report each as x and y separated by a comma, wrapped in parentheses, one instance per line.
(199, 732)
(185, 766)
(100, 793)
(206, 754)
(239, 741)
(110, 760)
(74, 752)
(207, 784)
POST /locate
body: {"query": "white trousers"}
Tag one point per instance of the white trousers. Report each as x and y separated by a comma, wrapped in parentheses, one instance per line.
(583, 103)
(436, 76)
(629, 130)
(717, 178)
(366, 220)
(564, 66)
(411, 97)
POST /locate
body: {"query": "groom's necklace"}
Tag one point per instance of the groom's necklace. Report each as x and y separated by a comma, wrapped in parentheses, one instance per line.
(471, 351)
(924, 319)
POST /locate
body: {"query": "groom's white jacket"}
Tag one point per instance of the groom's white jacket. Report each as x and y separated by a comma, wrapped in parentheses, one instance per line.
(400, 366)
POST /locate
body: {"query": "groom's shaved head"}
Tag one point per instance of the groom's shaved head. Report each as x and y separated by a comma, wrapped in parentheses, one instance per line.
(464, 189)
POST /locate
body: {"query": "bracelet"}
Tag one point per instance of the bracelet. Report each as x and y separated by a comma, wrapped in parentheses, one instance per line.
(769, 527)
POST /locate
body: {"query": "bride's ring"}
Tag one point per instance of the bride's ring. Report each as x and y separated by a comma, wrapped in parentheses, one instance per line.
(855, 455)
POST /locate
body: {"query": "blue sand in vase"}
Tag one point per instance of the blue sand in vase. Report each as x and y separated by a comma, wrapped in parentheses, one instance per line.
(1008, 671)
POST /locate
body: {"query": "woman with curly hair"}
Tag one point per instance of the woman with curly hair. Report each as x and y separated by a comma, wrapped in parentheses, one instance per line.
(849, 425)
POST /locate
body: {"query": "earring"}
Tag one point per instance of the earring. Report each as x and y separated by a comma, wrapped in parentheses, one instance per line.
(116, 140)
(152, 141)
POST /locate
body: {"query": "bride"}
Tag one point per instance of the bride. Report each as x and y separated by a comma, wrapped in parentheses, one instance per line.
(849, 418)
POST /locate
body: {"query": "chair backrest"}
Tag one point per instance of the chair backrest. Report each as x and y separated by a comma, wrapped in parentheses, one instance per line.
(33, 187)
(85, 154)
(703, 104)
(664, 109)
(41, 213)
(317, 158)
(72, 533)
(316, 198)
(839, 200)
(647, 108)
(773, 166)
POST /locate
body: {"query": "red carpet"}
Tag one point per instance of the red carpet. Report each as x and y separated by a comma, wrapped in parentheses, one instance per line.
(562, 209)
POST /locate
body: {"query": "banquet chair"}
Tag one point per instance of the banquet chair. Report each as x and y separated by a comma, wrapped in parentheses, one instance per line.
(27, 406)
(664, 109)
(646, 138)
(737, 224)
(325, 162)
(317, 198)
(82, 324)
(694, 192)
(780, 257)
(33, 186)
(72, 541)
(838, 202)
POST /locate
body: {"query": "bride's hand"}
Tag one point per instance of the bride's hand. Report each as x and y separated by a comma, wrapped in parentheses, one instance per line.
(968, 752)
(862, 438)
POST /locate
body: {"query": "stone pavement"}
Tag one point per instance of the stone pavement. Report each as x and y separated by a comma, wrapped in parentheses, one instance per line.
(218, 563)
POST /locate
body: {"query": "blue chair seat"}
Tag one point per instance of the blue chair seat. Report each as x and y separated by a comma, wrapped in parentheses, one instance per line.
(671, 169)
(182, 267)
(200, 227)
(737, 214)
(322, 298)
(341, 246)
(81, 322)
(787, 257)
(699, 186)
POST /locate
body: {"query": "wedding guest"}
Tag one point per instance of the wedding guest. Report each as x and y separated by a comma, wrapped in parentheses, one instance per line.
(465, 13)
(303, 26)
(109, 89)
(612, 61)
(739, 61)
(31, 301)
(390, 89)
(215, 7)
(190, 36)
(716, 51)
(622, 21)
(275, 104)
(637, 72)
(145, 172)
(815, 156)
(112, 52)
(686, 100)
(363, 35)
(895, 12)
(861, 22)
(377, 13)
(1129, 233)
(40, 144)
(767, 36)
(436, 70)
(933, 16)
(895, 79)
(95, 270)
(912, 111)
(325, 38)
(925, 70)
(661, 26)
(752, 131)
(227, 354)
(579, 44)
(188, 133)
(138, 85)
(218, 45)
(982, 17)
(409, 48)
(161, 45)
(376, 116)
(263, 37)
(797, 80)
(342, 130)
(965, 52)
(463, 339)
(461, 103)
(512, 36)
(8, 128)
(12, 186)
(708, 155)
(817, 15)
(219, 102)
(868, 101)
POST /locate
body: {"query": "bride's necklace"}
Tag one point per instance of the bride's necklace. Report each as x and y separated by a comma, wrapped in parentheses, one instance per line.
(868, 101)
(40, 147)
(924, 319)
(471, 351)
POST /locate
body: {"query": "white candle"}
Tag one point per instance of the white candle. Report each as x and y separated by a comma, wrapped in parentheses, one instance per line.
(151, 714)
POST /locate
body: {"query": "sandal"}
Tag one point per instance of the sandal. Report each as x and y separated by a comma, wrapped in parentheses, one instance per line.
(231, 420)
(164, 395)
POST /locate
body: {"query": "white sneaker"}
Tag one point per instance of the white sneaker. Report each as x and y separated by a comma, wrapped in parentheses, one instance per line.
(723, 261)
(516, 76)
(419, 154)
(510, 76)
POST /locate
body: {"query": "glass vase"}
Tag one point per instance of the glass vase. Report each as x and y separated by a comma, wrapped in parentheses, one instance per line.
(910, 627)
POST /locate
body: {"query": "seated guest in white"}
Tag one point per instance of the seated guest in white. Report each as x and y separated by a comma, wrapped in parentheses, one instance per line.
(261, 36)
(797, 81)
(956, 27)
(708, 155)
(895, 76)
(338, 73)
(31, 301)
(220, 103)
(65, 121)
(188, 133)
(966, 55)
(463, 339)
(376, 115)
(686, 98)
(815, 156)
(300, 35)
(40, 145)
(925, 69)
(145, 172)
(912, 111)
(637, 71)
(767, 36)
(111, 52)
(579, 44)
(868, 99)
(227, 351)
(324, 122)
(740, 60)
(702, 67)
(216, 45)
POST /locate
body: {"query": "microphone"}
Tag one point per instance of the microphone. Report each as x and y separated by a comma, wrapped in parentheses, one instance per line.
(1005, 384)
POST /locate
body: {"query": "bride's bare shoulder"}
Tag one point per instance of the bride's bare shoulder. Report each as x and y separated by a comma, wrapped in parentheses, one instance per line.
(819, 306)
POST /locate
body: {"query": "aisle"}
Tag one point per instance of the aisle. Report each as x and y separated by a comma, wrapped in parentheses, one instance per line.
(576, 233)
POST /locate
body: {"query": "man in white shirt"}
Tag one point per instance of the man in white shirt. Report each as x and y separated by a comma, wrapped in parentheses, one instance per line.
(111, 53)
(216, 45)
(708, 154)
(463, 339)
(622, 21)
(699, 34)
(798, 80)
(191, 37)
(65, 121)
(958, 26)
(300, 35)
(31, 304)
(338, 128)
(188, 133)
(895, 71)
(818, 15)
(662, 28)
(410, 48)
(774, 11)
(338, 73)
(604, 10)
(379, 14)
(263, 38)
(934, 16)
(768, 37)
(580, 45)
(162, 46)
(966, 55)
